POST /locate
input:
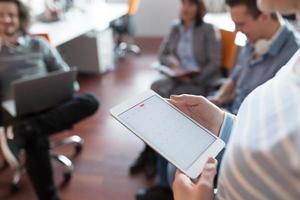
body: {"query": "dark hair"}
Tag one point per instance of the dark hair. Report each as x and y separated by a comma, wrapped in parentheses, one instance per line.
(23, 12)
(201, 11)
(251, 6)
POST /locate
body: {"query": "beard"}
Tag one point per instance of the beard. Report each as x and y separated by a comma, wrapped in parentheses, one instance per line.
(10, 31)
(9, 36)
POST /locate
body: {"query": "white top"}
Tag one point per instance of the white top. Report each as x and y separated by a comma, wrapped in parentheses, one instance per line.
(262, 159)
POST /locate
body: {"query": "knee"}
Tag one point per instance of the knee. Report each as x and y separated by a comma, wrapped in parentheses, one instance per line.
(153, 86)
(89, 103)
(156, 86)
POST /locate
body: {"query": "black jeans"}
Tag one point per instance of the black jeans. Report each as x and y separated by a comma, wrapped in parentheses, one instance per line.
(32, 134)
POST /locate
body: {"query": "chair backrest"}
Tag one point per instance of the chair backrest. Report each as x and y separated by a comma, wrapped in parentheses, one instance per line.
(132, 6)
(43, 35)
(229, 49)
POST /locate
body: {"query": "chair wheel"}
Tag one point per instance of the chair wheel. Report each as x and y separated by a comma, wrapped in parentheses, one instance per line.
(14, 188)
(138, 53)
(78, 148)
(67, 176)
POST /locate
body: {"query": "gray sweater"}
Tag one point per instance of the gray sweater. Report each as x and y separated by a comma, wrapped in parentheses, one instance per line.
(31, 56)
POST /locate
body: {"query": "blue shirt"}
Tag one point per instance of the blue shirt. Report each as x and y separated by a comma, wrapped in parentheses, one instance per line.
(249, 72)
(185, 48)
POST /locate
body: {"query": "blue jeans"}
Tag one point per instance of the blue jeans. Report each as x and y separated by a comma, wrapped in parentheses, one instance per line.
(166, 172)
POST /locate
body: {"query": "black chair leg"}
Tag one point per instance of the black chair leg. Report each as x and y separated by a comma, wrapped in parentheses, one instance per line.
(65, 161)
(74, 140)
(14, 187)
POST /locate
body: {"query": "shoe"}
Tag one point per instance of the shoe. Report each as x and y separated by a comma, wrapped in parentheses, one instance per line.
(155, 193)
(9, 149)
(139, 164)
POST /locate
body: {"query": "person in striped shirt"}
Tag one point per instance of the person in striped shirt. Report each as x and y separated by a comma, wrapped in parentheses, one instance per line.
(262, 159)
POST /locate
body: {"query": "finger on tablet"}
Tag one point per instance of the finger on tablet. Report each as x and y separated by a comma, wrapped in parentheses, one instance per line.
(179, 105)
(189, 99)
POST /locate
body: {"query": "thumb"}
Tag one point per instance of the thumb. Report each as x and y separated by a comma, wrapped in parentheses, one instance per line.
(191, 100)
(208, 174)
(181, 180)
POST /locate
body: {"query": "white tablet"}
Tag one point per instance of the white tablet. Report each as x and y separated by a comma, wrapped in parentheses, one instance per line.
(170, 132)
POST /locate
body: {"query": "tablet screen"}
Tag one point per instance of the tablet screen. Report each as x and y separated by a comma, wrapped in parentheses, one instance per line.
(170, 131)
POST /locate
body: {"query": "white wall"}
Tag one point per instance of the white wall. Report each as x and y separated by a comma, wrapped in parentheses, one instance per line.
(154, 17)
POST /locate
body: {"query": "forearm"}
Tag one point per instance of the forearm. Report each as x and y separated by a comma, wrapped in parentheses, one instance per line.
(213, 53)
(164, 59)
(226, 93)
(52, 58)
(166, 50)
(208, 73)
(172, 62)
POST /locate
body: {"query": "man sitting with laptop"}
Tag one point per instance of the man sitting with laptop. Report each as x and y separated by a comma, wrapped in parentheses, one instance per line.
(22, 56)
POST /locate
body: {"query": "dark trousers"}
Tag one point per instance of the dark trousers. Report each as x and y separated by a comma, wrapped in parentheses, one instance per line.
(32, 134)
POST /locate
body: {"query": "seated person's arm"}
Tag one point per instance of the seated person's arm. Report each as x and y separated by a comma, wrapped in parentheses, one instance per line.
(167, 50)
(225, 94)
(52, 58)
(214, 57)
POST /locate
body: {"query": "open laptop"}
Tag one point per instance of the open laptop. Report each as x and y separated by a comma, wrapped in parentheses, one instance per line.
(37, 94)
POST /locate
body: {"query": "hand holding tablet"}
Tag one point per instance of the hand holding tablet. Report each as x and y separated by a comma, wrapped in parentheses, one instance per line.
(200, 109)
(170, 132)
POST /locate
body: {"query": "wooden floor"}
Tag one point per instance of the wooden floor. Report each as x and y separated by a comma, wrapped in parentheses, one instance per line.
(101, 170)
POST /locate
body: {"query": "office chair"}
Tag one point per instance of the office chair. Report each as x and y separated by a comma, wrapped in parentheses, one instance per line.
(229, 50)
(123, 28)
(60, 158)
(229, 54)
